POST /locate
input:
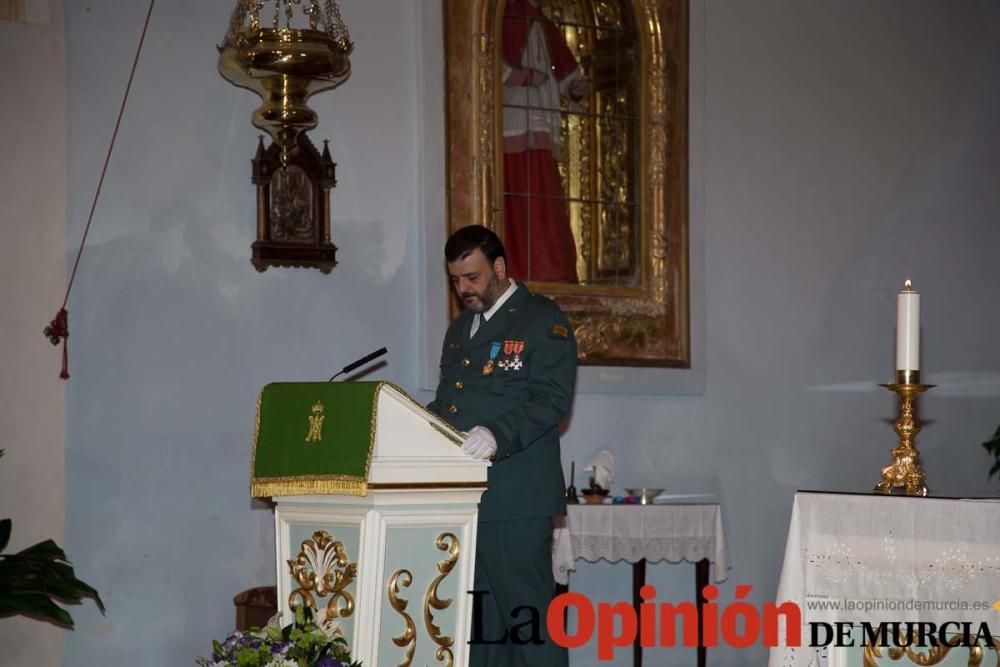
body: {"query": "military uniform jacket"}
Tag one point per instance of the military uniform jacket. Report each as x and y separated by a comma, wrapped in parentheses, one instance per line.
(514, 377)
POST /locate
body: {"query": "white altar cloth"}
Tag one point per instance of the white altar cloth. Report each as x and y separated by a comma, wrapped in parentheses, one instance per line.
(672, 529)
(886, 559)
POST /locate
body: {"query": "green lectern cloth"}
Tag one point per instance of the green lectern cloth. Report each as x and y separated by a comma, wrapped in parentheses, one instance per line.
(314, 438)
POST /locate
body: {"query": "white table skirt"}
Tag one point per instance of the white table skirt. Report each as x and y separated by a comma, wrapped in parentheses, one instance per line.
(888, 552)
(673, 531)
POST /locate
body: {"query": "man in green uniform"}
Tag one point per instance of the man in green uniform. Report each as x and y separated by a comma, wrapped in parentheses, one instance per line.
(508, 366)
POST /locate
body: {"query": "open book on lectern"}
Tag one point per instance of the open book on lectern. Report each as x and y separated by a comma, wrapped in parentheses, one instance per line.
(322, 438)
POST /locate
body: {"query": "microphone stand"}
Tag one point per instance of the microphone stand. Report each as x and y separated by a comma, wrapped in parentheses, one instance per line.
(360, 362)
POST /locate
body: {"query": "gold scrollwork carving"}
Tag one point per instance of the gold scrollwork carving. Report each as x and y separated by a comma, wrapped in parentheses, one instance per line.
(600, 334)
(322, 569)
(934, 655)
(487, 93)
(409, 636)
(444, 542)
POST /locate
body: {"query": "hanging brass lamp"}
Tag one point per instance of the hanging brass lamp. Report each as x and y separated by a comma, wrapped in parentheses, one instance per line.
(264, 52)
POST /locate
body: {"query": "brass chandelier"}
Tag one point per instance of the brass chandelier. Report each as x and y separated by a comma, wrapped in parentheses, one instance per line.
(265, 52)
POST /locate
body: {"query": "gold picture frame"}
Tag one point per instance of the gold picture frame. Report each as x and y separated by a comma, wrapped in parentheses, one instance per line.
(12, 10)
(646, 322)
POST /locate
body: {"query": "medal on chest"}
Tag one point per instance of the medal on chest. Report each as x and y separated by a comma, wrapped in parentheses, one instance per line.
(494, 350)
(512, 350)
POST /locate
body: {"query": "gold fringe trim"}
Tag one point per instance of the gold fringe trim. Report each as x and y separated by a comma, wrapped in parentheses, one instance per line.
(253, 452)
(303, 487)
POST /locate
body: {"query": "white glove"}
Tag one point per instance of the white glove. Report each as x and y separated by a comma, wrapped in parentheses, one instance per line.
(480, 443)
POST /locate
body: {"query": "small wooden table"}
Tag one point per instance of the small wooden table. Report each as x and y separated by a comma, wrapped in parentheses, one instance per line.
(674, 529)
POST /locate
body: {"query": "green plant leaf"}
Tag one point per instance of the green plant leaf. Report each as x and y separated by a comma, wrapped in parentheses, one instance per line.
(22, 567)
(32, 579)
(37, 571)
(45, 550)
(34, 604)
(70, 591)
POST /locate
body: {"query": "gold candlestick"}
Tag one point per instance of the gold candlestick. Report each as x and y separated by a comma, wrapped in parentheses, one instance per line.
(905, 471)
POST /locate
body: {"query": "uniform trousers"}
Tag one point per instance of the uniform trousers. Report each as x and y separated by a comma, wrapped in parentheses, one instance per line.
(514, 566)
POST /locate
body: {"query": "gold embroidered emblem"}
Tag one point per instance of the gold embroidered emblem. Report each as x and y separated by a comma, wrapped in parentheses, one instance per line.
(560, 331)
(316, 423)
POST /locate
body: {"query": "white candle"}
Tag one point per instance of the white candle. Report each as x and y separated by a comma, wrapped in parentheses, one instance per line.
(908, 329)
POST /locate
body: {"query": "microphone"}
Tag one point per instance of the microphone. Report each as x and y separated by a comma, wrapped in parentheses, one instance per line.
(360, 362)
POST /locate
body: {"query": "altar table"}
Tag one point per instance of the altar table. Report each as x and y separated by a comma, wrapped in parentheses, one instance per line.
(898, 558)
(674, 529)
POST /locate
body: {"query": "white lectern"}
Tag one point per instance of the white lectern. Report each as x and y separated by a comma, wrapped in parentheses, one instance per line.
(375, 518)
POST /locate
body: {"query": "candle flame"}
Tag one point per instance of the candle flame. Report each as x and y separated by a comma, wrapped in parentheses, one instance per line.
(908, 285)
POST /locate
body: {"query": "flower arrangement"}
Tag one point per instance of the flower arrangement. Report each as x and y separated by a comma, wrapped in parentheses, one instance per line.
(301, 644)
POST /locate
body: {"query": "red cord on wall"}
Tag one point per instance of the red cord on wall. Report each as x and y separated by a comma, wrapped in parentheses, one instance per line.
(58, 329)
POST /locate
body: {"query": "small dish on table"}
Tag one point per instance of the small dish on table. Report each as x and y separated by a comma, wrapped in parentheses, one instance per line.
(645, 494)
(594, 496)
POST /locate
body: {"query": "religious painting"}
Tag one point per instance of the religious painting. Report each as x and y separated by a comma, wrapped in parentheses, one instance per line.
(12, 10)
(574, 150)
(292, 201)
(293, 206)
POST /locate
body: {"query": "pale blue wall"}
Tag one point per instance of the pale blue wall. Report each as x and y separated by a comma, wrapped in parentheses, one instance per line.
(839, 147)
(174, 331)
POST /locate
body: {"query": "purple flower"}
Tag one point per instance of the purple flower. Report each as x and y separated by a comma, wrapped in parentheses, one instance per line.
(329, 662)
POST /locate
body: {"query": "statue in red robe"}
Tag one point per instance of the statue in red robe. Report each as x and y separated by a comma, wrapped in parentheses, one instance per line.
(538, 71)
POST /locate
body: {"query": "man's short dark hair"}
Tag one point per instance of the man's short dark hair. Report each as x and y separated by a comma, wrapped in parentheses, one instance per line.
(468, 239)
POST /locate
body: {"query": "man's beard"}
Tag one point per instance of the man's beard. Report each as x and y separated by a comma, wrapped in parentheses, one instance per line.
(483, 302)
